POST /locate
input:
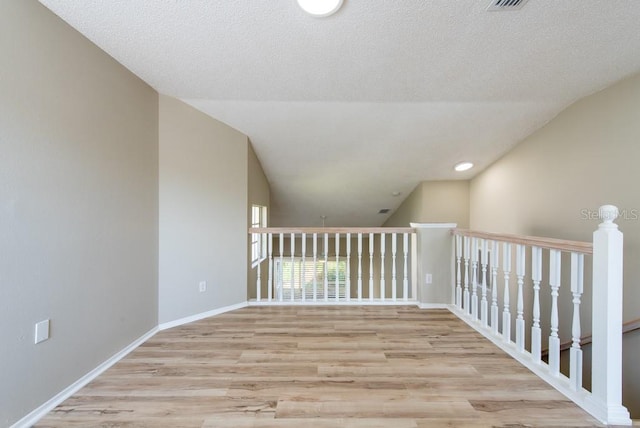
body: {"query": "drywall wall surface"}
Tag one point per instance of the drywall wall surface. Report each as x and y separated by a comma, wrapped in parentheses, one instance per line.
(434, 269)
(78, 206)
(434, 202)
(445, 202)
(259, 193)
(554, 181)
(203, 212)
(410, 210)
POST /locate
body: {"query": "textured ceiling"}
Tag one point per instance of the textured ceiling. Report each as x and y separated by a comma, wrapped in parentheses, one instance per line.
(344, 110)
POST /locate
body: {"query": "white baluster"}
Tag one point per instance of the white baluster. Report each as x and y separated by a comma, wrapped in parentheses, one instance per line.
(458, 243)
(337, 243)
(303, 269)
(383, 288)
(270, 280)
(360, 267)
(506, 312)
(467, 297)
(371, 266)
(474, 278)
(554, 339)
(394, 290)
(484, 304)
(577, 286)
(280, 291)
(326, 262)
(536, 275)
(258, 283)
(263, 237)
(293, 266)
(315, 267)
(405, 281)
(494, 286)
(520, 269)
(348, 285)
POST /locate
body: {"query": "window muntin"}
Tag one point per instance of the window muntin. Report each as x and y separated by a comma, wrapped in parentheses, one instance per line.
(258, 241)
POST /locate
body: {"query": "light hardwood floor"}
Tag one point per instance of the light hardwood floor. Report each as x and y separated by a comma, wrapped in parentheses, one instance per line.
(319, 367)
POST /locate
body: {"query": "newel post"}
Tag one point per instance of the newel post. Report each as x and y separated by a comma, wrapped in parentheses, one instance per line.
(607, 320)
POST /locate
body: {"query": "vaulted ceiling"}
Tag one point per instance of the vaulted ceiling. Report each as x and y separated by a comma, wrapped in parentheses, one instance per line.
(344, 110)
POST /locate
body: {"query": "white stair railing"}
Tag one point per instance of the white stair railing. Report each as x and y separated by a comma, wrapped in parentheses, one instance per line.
(326, 277)
(477, 253)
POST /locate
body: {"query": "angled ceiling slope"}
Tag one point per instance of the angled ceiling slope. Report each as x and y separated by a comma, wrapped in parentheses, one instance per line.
(345, 110)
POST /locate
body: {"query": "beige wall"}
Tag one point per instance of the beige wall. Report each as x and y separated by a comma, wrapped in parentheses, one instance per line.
(434, 202)
(78, 206)
(547, 186)
(203, 212)
(259, 194)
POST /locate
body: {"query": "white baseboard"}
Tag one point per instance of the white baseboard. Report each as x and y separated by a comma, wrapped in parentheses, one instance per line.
(353, 302)
(582, 398)
(45, 408)
(49, 405)
(203, 315)
(433, 306)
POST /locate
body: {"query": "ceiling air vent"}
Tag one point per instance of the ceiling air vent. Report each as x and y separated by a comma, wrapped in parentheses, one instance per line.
(384, 211)
(506, 4)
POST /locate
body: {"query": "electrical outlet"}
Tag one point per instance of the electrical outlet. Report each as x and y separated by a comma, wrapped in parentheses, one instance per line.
(429, 278)
(42, 331)
(202, 286)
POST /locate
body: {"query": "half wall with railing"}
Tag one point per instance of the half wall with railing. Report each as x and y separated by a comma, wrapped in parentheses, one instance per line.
(338, 265)
(528, 295)
(509, 289)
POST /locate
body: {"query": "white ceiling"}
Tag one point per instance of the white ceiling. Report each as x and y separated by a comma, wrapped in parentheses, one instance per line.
(344, 110)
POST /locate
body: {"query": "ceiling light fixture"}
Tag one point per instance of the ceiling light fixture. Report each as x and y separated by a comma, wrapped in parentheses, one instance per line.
(320, 8)
(396, 193)
(463, 166)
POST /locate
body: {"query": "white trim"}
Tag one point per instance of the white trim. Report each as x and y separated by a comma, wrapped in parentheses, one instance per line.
(581, 398)
(433, 306)
(197, 317)
(38, 413)
(352, 302)
(41, 411)
(434, 225)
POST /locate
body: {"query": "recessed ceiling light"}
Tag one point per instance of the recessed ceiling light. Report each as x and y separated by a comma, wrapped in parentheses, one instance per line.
(320, 8)
(396, 193)
(463, 166)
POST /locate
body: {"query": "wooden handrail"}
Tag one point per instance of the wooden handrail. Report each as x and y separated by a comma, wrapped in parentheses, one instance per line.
(627, 327)
(548, 243)
(311, 230)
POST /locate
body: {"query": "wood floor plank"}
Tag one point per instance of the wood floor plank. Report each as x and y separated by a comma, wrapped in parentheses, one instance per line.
(319, 367)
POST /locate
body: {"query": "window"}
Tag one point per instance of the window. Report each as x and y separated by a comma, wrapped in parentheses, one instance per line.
(298, 277)
(258, 241)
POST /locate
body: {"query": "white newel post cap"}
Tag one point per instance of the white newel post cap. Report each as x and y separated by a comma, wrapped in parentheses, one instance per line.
(608, 213)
